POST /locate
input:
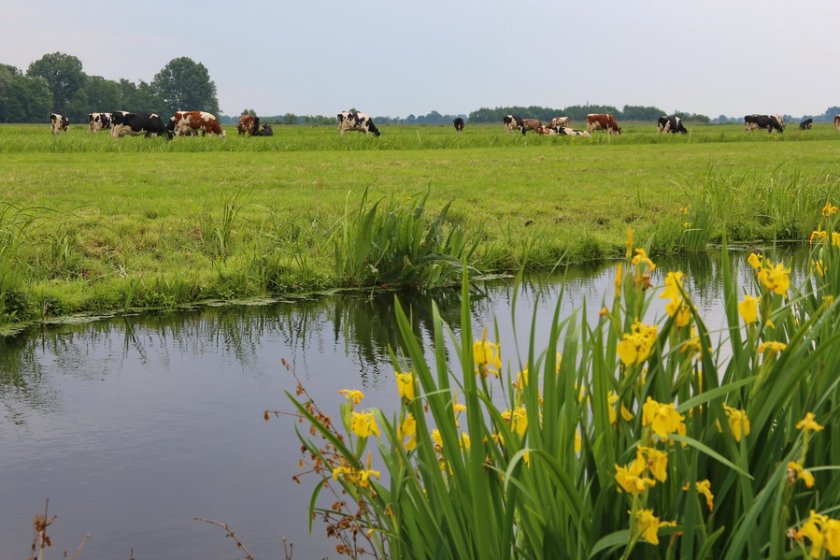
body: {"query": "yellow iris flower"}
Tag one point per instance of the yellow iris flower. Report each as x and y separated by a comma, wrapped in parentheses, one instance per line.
(739, 422)
(363, 424)
(808, 424)
(798, 472)
(353, 395)
(748, 309)
(662, 418)
(405, 385)
(648, 525)
(775, 279)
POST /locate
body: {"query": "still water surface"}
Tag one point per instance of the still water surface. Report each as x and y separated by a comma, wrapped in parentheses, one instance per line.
(133, 427)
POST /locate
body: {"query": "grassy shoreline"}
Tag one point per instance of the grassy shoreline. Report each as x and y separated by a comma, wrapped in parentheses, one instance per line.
(93, 225)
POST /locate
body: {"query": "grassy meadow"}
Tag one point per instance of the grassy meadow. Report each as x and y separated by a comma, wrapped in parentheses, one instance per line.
(90, 224)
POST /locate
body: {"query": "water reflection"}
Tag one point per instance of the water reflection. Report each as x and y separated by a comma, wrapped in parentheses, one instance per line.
(138, 424)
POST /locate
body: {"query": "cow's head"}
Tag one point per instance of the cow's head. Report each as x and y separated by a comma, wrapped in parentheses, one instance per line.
(372, 128)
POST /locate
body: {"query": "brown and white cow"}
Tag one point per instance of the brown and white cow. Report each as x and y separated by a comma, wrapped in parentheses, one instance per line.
(187, 123)
(545, 131)
(558, 122)
(58, 123)
(837, 122)
(602, 121)
(354, 120)
(248, 124)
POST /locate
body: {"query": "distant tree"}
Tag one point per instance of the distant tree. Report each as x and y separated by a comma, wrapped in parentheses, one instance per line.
(184, 84)
(23, 99)
(289, 118)
(249, 112)
(641, 113)
(829, 113)
(101, 94)
(64, 76)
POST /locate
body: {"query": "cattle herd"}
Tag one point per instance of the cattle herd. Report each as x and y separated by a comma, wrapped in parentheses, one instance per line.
(192, 123)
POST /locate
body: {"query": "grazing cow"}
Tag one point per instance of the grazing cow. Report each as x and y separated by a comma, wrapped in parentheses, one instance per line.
(135, 124)
(672, 124)
(458, 123)
(806, 124)
(559, 122)
(837, 122)
(189, 123)
(353, 120)
(770, 122)
(566, 131)
(99, 121)
(602, 121)
(512, 122)
(545, 130)
(248, 124)
(529, 124)
(58, 123)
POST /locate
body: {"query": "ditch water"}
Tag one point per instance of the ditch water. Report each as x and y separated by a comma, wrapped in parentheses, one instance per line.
(133, 427)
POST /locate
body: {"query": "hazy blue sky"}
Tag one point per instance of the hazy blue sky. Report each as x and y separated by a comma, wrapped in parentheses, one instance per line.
(394, 58)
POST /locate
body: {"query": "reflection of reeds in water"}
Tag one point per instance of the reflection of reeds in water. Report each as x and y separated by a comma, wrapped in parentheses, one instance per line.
(364, 325)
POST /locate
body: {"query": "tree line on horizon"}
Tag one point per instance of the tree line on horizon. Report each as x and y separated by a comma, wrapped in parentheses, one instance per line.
(57, 83)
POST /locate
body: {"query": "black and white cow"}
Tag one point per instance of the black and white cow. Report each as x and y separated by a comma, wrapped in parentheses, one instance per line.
(512, 122)
(806, 124)
(266, 131)
(353, 120)
(58, 123)
(458, 123)
(566, 131)
(769, 122)
(135, 124)
(99, 121)
(672, 124)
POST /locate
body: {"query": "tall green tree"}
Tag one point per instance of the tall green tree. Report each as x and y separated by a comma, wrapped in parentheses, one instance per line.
(64, 76)
(184, 84)
(23, 99)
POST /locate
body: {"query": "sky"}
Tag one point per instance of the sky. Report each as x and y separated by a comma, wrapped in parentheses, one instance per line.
(395, 58)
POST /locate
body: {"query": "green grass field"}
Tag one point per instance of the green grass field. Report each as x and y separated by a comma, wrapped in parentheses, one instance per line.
(93, 224)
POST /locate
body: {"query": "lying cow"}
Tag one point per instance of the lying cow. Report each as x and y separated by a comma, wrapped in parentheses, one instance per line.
(566, 131)
(353, 120)
(545, 130)
(602, 121)
(806, 124)
(559, 122)
(266, 131)
(769, 122)
(458, 123)
(189, 123)
(58, 123)
(99, 121)
(248, 124)
(135, 124)
(672, 124)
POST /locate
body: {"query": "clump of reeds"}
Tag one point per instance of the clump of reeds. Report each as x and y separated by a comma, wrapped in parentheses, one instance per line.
(624, 436)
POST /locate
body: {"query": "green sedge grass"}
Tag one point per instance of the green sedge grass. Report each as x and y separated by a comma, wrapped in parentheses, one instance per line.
(530, 467)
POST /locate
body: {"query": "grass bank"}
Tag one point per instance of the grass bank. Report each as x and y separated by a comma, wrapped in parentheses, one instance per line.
(92, 224)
